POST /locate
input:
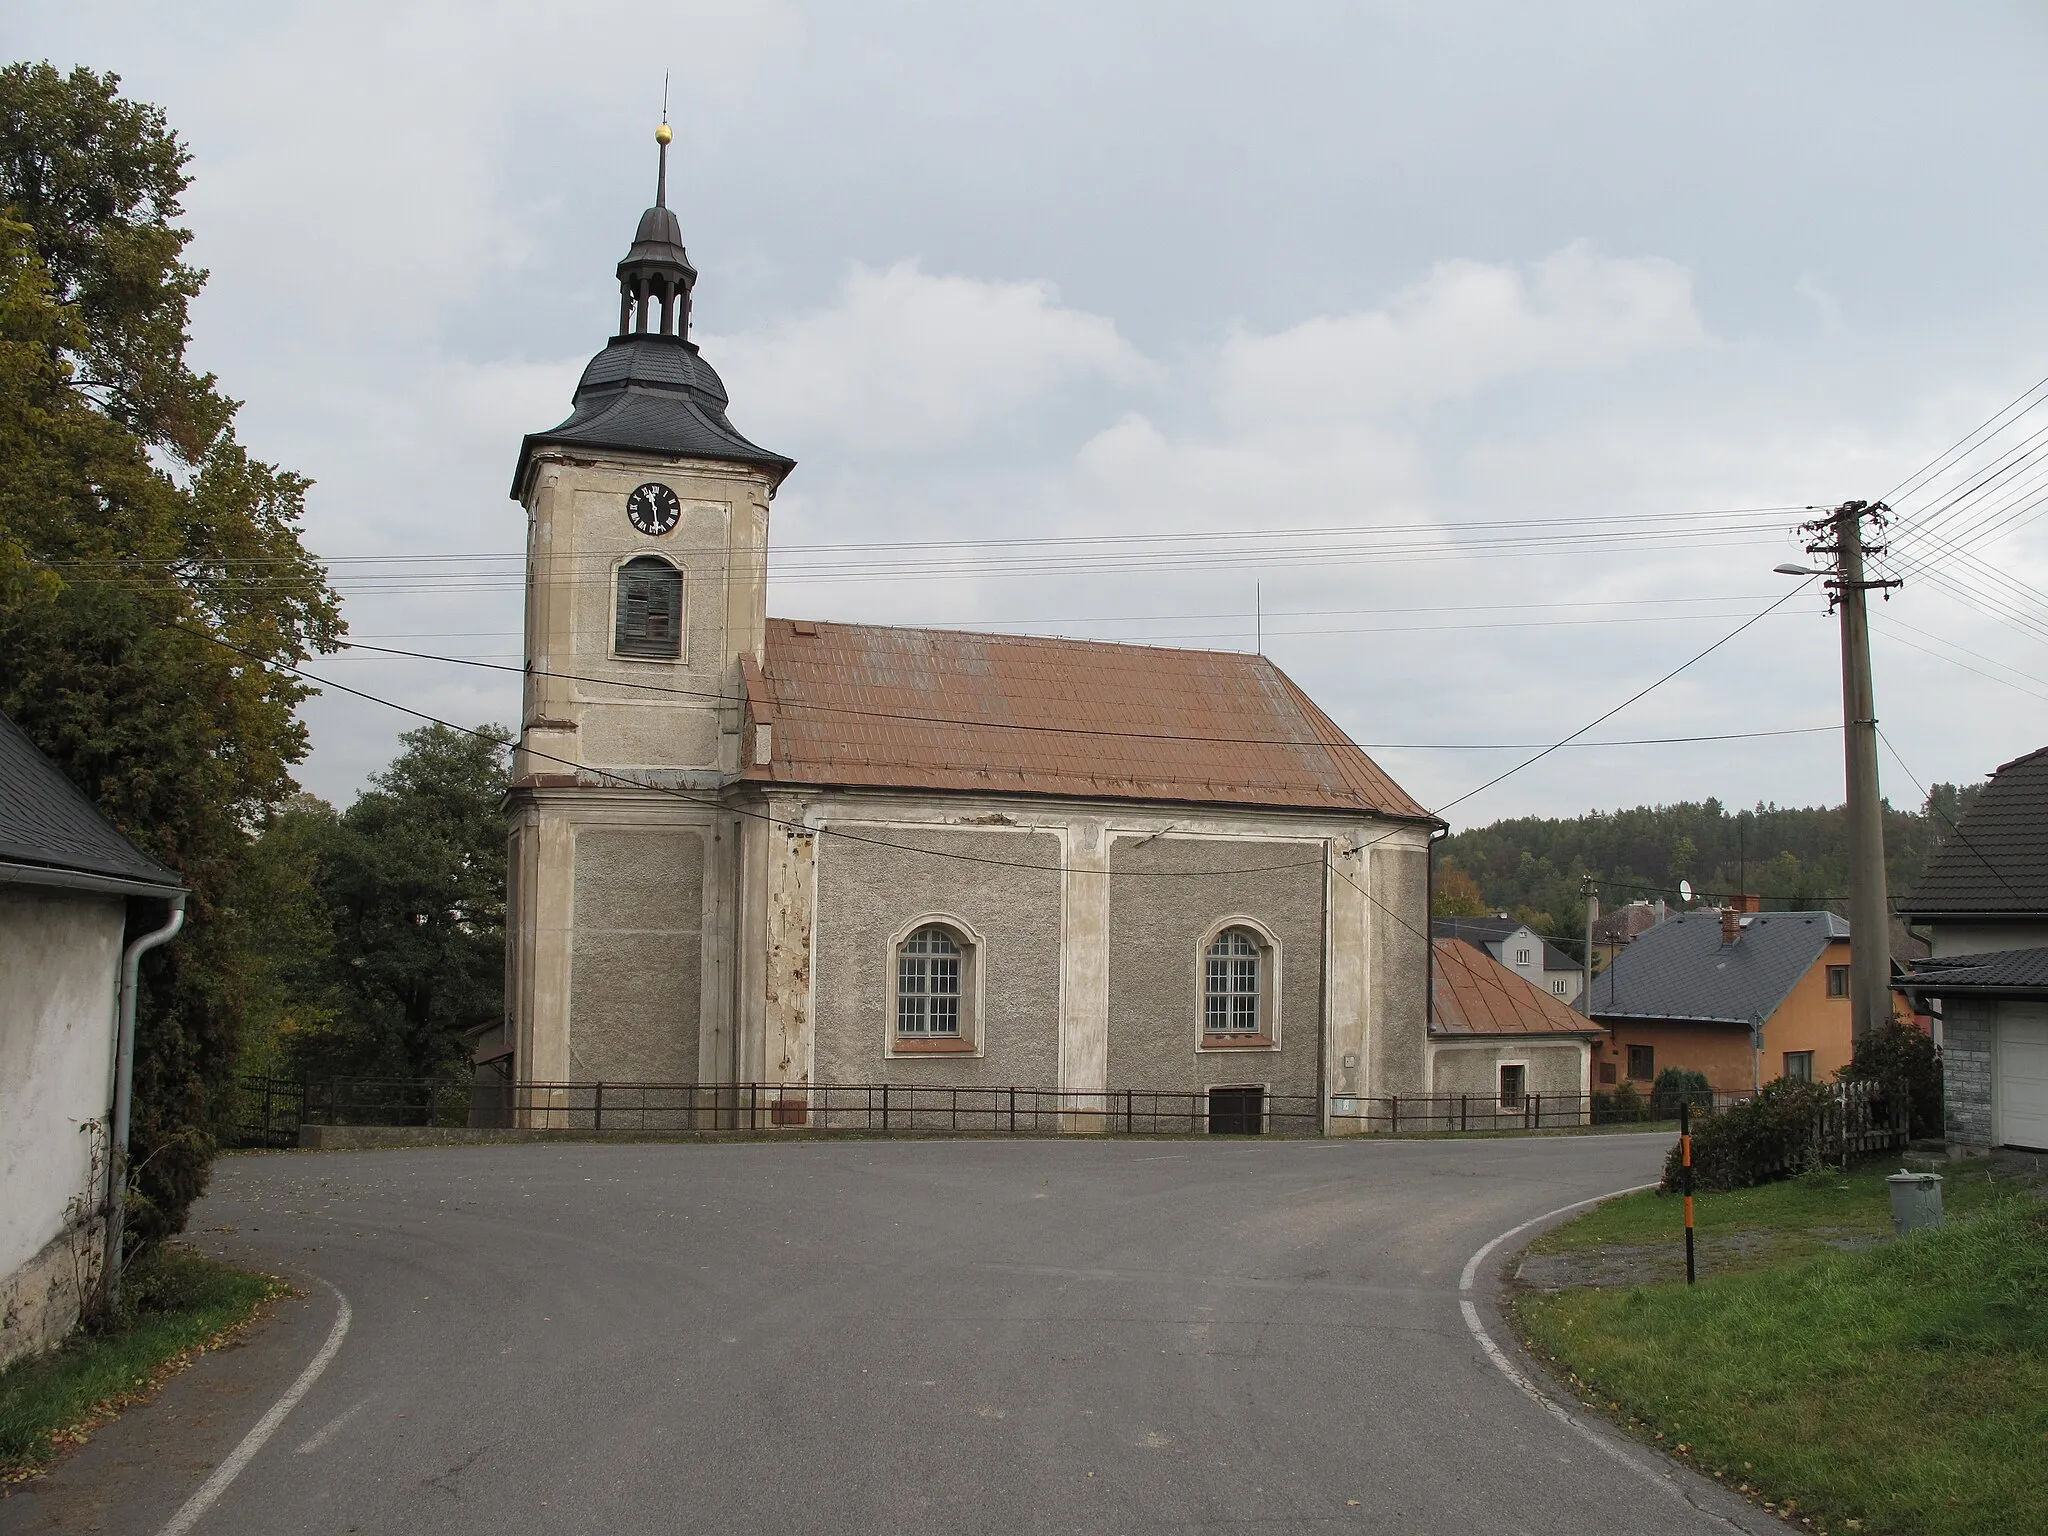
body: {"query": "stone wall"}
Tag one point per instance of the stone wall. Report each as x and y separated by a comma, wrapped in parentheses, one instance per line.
(1167, 895)
(1969, 1036)
(873, 882)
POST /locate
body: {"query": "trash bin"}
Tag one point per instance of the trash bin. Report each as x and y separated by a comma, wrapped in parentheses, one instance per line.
(1916, 1200)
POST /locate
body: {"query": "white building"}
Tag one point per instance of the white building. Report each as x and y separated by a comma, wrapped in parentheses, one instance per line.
(74, 896)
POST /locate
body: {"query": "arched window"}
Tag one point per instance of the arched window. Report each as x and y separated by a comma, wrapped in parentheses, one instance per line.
(650, 612)
(928, 985)
(1231, 986)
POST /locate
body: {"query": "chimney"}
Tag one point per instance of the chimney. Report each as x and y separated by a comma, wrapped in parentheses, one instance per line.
(1731, 923)
(1746, 903)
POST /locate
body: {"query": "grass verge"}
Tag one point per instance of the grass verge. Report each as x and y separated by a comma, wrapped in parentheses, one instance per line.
(1898, 1387)
(179, 1303)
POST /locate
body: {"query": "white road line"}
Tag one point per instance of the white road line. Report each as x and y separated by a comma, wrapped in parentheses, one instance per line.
(333, 1427)
(1607, 1445)
(224, 1474)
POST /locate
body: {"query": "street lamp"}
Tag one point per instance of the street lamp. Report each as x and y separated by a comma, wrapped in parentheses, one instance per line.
(1789, 569)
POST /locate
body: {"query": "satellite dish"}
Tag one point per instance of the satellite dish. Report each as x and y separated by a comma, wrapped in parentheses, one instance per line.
(1685, 890)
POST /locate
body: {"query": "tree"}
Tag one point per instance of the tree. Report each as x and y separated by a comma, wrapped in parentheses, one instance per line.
(412, 880)
(1457, 894)
(151, 573)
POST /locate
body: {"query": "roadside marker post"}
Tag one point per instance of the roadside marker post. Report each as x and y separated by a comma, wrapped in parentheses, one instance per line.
(1685, 1178)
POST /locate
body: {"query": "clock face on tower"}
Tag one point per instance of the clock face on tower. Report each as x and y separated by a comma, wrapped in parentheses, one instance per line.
(653, 509)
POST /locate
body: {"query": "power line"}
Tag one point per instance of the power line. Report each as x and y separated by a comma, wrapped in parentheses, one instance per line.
(1076, 730)
(1927, 799)
(1624, 704)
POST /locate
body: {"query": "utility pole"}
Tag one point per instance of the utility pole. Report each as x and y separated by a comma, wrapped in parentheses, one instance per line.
(1592, 894)
(1840, 534)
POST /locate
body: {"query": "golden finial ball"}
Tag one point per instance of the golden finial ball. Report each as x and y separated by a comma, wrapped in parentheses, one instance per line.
(662, 135)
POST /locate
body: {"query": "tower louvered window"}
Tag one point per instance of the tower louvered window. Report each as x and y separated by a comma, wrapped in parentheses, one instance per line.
(650, 616)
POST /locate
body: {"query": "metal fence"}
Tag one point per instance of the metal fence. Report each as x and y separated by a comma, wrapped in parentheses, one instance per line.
(270, 1111)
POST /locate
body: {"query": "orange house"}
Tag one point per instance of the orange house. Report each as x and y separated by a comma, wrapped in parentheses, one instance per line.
(1692, 992)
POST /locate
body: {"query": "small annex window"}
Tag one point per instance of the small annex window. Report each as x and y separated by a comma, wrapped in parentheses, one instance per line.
(1838, 981)
(1514, 1083)
(649, 621)
(1642, 1063)
(1799, 1066)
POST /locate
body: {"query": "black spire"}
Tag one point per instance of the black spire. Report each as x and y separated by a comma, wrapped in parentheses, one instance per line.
(656, 277)
(650, 391)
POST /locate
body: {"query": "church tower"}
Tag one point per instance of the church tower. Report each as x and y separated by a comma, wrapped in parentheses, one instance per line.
(647, 546)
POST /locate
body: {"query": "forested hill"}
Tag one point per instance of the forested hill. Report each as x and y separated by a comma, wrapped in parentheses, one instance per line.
(1794, 858)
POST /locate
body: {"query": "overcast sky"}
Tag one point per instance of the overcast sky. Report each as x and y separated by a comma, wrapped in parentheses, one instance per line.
(1116, 268)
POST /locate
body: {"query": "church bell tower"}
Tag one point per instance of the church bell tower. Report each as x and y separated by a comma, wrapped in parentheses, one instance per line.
(646, 572)
(647, 543)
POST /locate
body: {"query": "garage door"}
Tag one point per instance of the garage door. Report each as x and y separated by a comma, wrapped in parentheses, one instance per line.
(2023, 1075)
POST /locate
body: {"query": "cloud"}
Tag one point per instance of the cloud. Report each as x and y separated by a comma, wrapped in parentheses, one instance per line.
(1465, 326)
(905, 360)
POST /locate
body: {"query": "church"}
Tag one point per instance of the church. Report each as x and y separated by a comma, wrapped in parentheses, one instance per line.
(819, 860)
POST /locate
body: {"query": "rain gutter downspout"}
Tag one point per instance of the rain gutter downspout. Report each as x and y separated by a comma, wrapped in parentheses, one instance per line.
(124, 1089)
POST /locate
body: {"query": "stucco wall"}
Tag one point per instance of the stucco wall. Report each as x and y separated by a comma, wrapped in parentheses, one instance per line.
(1400, 970)
(1166, 894)
(1948, 939)
(1474, 1068)
(60, 956)
(877, 879)
(637, 954)
(1968, 1041)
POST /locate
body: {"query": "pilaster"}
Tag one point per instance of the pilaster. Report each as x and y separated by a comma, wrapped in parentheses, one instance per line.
(1084, 971)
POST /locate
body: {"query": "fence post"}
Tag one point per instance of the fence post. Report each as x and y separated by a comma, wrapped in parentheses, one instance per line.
(1013, 1107)
(597, 1109)
(885, 1106)
(1130, 1099)
(1536, 1111)
(1394, 1114)
(1464, 1104)
(1685, 1174)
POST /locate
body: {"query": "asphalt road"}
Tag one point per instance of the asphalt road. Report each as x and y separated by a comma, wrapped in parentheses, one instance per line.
(1027, 1336)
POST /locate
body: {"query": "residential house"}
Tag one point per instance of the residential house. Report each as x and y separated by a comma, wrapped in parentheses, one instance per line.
(1983, 905)
(1521, 949)
(796, 854)
(1622, 926)
(1687, 993)
(1499, 1037)
(74, 896)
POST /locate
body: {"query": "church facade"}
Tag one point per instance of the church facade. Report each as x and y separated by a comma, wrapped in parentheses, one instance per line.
(755, 851)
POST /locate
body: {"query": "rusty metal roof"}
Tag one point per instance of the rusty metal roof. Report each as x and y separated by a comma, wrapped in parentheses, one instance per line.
(884, 707)
(1477, 995)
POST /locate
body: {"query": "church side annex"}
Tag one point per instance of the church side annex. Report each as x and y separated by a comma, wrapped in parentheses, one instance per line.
(771, 851)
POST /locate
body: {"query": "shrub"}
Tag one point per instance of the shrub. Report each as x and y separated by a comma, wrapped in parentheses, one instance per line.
(1773, 1136)
(1621, 1106)
(1896, 1052)
(1675, 1085)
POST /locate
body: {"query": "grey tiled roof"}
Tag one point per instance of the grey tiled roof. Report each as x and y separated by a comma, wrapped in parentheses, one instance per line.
(2001, 970)
(1996, 860)
(1680, 969)
(1482, 931)
(652, 394)
(46, 822)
